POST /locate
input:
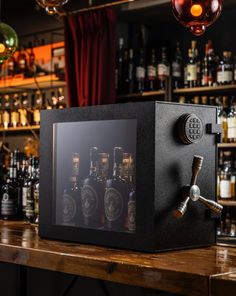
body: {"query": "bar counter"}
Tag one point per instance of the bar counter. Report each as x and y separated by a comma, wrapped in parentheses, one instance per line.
(193, 272)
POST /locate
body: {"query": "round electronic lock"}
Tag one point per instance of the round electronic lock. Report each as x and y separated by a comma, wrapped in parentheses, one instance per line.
(190, 128)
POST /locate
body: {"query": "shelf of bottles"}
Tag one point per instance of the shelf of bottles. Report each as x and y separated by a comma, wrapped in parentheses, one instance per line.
(19, 178)
(21, 111)
(34, 67)
(144, 73)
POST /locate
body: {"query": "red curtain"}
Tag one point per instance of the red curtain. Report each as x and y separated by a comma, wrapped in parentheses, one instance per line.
(90, 57)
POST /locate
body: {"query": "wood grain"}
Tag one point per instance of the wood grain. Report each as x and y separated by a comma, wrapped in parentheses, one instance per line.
(185, 272)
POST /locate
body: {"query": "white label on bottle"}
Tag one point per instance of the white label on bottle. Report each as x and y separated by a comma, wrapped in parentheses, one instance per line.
(163, 70)
(176, 70)
(192, 72)
(224, 76)
(24, 196)
(231, 127)
(140, 73)
(151, 72)
(225, 189)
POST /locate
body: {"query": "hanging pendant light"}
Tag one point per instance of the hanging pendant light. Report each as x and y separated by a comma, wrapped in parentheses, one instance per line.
(51, 6)
(197, 14)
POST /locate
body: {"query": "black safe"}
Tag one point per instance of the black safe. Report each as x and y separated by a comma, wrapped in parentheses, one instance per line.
(118, 175)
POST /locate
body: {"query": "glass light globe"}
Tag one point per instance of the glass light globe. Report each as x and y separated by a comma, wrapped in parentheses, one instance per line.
(51, 6)
(197, 14)
(8, 42)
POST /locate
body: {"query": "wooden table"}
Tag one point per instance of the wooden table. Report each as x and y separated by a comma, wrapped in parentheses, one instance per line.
(194, 272)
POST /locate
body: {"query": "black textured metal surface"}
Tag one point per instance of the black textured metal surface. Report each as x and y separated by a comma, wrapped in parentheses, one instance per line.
(163, 166)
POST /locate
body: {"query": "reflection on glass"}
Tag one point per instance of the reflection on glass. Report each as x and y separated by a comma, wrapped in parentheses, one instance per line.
(93, 190)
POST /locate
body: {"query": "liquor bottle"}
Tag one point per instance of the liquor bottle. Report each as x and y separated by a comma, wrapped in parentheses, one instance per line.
(128, 175)
(231, 121)
(177, 68)
(36, 194)
(222, 117)
(15, 115)
(191, 70)
(182, 100)
(11, 66)
(116, 196)
(163, 69)
(225, 69)
(225, 181)
(125, 73)
(119, 67)
(37, 106)
(152, 72)
(140, 72)
(22, 61)
(9, 195)
(205, 101)
(6, 112)
(131, 70)
(25, 114)
(61, 98)
(197, 61)
(32, 69)
(92, 192)
(25, 188)
(30, 210)
(209, 66)
(196, 100)
(71, 198)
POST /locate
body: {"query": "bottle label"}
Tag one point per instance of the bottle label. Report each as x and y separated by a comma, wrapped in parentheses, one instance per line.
(225, 189)
(36, 116)
(36, 201)
(231, 128)
(24, 198)
(69, 208)
(163, 71)
(89, 201)
(29, 213)
(176, 70)
(192, 72)
(140, 73)
(6, 117)
(15, 118)
(151, 72)
(23, 117)
(132, 216)
(224, 76)
(22, 64)
(113, 204)
(7, 205)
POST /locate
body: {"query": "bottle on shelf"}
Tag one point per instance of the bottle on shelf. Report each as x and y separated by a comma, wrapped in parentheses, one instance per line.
(151, 80)
(163, 69)
(32, 68)
(225, 69)
(36, 193)
(25, 110)
(15, 115)
(222, 117)
(131, 70)
(191, 70)
(209, 66)
(140, 72)
(177, 68)
(231, 121)
(22, 62)
(11, 66)
(197, 61)
(61, 99)
(37, 106)
(119, 66)
(125, 72)
(6, 113)
(225, 179)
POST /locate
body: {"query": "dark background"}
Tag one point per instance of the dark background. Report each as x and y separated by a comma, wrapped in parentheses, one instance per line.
(162, 29)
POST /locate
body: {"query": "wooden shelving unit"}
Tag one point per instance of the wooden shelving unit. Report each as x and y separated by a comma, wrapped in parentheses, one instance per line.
(141, 95)
(19, 84)
(226, 145)
(20, 129)
(227, 203)
(206, 89)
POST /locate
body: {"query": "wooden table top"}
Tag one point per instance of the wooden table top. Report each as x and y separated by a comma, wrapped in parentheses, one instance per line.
(193, 272)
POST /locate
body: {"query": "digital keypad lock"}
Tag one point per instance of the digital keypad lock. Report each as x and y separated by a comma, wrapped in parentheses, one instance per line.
(190, 128)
